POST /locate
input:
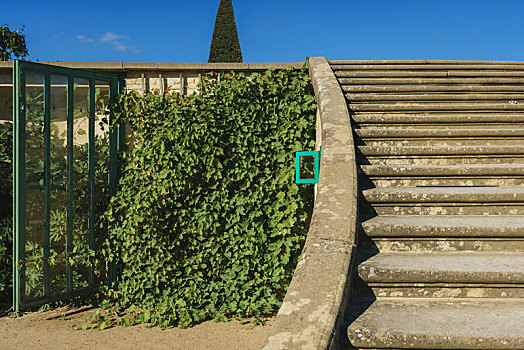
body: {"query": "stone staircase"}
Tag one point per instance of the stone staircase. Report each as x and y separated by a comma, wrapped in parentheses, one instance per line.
(440, 147)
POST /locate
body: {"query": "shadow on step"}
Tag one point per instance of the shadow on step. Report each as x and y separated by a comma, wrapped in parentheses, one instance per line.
(365, 209)
(361, 294)
(361, 300)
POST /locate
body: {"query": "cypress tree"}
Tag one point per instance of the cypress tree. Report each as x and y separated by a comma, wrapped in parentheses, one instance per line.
(225, 46)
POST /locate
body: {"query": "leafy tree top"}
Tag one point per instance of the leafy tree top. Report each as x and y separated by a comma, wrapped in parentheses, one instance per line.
(12, 43)
(225, 46)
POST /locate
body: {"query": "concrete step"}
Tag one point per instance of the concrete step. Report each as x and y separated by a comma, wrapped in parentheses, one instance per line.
(421, 323)
(369, 291)
(463, 226)
(487, 80)
(440, 155)
(447, 208)
(428, 67)
(452, 96)
(445, 290)
(474, 175)
(446, 119)
(442, 126)
(482, 140)
(440, 181)
(445, 267)
(391, 133)
(423, 244)
(436, 107)
(430, 195)
(426, 62)
(388, 137)
(462, 170)
(440, 159)
(443, 201)
(425, 74)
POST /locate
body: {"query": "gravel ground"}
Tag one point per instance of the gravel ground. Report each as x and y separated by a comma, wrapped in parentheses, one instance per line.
(55, 330)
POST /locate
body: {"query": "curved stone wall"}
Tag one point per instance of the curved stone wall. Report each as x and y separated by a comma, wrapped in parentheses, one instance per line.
(313, 309)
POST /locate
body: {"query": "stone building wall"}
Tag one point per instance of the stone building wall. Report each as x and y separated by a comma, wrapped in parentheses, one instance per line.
(182, 82)
(178, 77)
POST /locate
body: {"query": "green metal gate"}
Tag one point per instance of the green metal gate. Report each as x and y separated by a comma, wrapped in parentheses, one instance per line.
(65, 165)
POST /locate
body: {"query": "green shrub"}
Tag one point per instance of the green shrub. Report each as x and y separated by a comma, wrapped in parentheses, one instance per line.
(225, 46)
(208, 221)
(6, 147)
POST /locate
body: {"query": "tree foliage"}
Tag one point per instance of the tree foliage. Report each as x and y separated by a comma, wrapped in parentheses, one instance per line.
(225, 46)
(12, 43)
(208, 221)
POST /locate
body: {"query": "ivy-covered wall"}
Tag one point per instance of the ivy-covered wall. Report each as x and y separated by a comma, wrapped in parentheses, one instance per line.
(208, 221)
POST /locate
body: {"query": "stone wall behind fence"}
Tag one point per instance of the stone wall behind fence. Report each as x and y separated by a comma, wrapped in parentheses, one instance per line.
(178, 77)
(184, 82)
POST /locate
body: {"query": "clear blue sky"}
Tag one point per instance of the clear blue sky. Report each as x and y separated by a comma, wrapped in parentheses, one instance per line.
(270, 30)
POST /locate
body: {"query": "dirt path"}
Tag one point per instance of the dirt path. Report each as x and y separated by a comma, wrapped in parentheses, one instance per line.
(54, 330)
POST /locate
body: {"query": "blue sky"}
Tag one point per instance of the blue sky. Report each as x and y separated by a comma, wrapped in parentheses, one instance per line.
(270, 30)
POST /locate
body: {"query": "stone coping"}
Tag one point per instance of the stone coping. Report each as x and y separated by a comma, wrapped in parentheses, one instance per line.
(160, 66)
(312, 312)
(387, 62)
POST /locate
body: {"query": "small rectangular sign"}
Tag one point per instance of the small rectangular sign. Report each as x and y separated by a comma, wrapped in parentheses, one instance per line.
(316, 155)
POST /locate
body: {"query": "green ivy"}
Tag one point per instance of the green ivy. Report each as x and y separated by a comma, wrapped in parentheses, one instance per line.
(6, 238)
(208, 222)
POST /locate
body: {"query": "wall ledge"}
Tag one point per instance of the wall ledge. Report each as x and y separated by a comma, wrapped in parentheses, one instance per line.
(313, 309)
(167, 66)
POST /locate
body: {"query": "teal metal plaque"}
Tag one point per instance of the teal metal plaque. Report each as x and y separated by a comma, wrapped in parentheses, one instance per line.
(316, 156)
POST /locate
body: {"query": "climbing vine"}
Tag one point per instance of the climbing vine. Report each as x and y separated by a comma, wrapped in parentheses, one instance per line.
(208, 222)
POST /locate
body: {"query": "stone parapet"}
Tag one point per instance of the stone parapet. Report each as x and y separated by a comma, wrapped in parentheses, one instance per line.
(312, 312)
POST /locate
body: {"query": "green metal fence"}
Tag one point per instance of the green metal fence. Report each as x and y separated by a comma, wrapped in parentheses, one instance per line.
(65, 170)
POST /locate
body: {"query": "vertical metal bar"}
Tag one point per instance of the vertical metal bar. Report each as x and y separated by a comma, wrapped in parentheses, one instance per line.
(15, 183)
(91, 155)
(70, 106)
(161, 84)
(120, 84)
(119, 87)
(47, 171)
(116, 138)
(112, 164)
(21, 185)
(112, 146)
(181, 83)
(143, 84)
(18, 185)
